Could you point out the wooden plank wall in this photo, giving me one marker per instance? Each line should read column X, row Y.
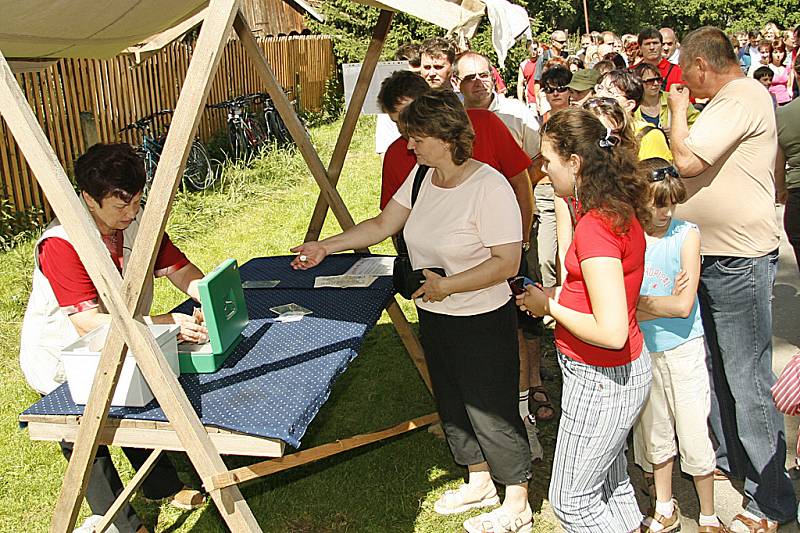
column 116, row 91
column 272, row 17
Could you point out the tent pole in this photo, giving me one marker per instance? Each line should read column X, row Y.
column 125, row 329
column 379, row 34
column 293, row 124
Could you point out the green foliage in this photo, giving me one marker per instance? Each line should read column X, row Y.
column 351, row 24
column 16, row 227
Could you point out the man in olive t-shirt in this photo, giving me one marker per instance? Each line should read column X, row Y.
column 727, row 160
column 787, row 168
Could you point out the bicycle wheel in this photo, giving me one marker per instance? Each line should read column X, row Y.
column 239, row 144
column 150, row 163
column 198, row 174
column 277, row 127
column 255, row 134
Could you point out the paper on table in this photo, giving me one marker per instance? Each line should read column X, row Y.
column 372, row 266
column 343, row 281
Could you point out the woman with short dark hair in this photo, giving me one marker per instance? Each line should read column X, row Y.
column 466, row 221
column 604, row 363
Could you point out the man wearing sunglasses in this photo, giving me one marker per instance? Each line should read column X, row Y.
column 558, row 41
column 650, row 46
column 472, row 73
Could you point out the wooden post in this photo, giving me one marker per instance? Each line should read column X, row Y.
column 89, row 129
column 351, row 119
column 130, row 488
column 125, row 330
column 311, row 156
column 271, row 466
column 293, row 124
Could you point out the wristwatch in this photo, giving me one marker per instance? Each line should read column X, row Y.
column 526, row 246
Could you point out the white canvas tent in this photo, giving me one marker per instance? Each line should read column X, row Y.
column 94, row 28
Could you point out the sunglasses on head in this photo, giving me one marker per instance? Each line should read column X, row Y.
column 660, row 174
column 558, row 89
column 598, row 101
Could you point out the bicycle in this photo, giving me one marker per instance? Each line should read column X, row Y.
column 245, row 133
column 273, row 123
column 197, row 175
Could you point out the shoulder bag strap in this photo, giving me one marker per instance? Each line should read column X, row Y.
column 418, row 177
column 402, row 249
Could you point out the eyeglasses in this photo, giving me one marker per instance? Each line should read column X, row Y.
column 598, row 101
column 654, row 81
column 483, row 76
column 559, row 89
column 560, row 41
column 660, row 174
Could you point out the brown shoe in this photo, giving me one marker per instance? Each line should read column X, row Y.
column 745, row 523
column 673, row 523
column 713, row 529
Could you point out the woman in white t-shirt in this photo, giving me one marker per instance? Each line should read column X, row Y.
column 466, row 221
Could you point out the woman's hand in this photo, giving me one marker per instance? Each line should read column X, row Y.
column 192, row 329
column 534, row 301
column 309, row 254
column 434, row 289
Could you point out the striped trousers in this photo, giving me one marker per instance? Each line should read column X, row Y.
column 590, row 489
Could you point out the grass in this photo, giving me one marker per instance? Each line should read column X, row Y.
column 263, row 210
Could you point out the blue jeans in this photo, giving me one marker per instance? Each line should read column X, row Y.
column 735, row 303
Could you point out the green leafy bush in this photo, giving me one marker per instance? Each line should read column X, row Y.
column 17, row 226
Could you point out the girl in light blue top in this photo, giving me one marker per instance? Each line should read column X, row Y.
column 669, row 318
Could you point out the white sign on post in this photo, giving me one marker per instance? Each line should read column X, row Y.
column 383, row 70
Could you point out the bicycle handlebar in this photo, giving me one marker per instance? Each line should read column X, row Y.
column 145, row 122
column 255, row 98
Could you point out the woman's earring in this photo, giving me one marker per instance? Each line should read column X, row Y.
column 575, row 188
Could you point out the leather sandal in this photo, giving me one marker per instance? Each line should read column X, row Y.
column 671, row 524
column 713, row 529
column 754, row 526
column 454, row 502
column 500, row 521
column 535, row 405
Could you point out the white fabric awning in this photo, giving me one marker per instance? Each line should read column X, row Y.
column 453, row 15
column 86, row 28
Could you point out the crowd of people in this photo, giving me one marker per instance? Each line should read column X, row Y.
column 628, row 194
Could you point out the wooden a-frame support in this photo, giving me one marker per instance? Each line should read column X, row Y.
column 122, row 297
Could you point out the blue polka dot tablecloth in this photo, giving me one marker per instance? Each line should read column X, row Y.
column 280, row 374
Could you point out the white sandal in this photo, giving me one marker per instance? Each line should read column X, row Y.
column 453, row 502
column 498, row 521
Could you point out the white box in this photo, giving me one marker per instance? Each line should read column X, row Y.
column 82, row 357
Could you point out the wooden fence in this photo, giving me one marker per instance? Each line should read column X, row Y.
column 74, row 98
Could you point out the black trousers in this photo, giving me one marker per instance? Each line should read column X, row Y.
column 105, row 484
column 474, row 367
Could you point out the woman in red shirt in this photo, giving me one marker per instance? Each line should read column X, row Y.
column 604, row 362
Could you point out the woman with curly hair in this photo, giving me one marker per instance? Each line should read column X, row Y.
column 466, row 221
column 604, row 362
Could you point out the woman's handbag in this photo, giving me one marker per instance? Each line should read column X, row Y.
column 406, row 279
